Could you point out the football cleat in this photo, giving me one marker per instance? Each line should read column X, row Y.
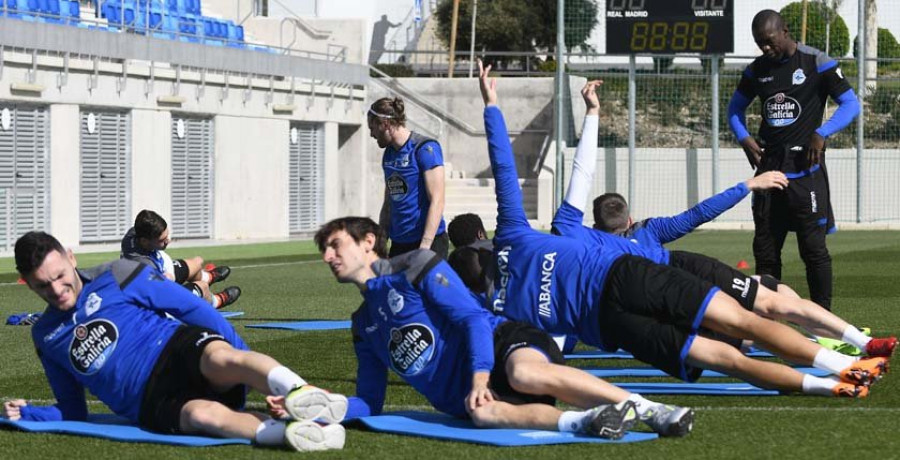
column 849, row 390
column 228, row 296
column 865, row 371
column 883, row 347
column 313, row 403
column 611, row 421
column 668, row 420
column 218, row 274
column 308, row 436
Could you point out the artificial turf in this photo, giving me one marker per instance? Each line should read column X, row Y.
column 285, row 281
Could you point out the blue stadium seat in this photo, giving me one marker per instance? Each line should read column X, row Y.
column 12, row 8
column 74, row 9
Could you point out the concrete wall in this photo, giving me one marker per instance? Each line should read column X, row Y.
column 323, row 36
column 64, row 171
column 151, row 161
column 251, row 184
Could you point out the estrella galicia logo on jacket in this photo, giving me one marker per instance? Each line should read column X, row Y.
column 92, row 345
column 92, row 304
column 411, row 348
column 397, row 186
column 395, row 301
column 780, row 110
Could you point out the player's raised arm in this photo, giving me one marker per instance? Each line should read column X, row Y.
column 503, row 165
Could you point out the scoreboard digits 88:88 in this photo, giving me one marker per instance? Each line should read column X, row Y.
column 669, row 26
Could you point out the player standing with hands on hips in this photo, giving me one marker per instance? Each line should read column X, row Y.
column 792, row 81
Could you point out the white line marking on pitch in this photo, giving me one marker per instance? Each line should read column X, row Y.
column 278, row 264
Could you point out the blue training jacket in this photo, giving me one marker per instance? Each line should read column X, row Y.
column 110, row 341
column 419, row 320
column 651, row 234
column 552, row 282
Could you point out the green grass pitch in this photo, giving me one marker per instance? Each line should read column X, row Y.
column 286, row 281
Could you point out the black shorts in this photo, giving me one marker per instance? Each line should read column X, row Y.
column 654, row 311
column 739, row 286
column 176, row 379
column 440, row 245
column 509, row 337
column 181, row 269
column 805, row 205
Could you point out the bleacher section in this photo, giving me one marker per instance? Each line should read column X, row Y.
column 180, row 20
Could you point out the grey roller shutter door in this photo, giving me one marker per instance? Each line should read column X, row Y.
column 192, row 177
column 24, row 173
column 307, row 151
column 105, row 176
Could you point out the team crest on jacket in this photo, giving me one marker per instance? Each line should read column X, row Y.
column 92, row 304
column 92, row 345
column 395, row 301
column 411, row 348
column 799, row 77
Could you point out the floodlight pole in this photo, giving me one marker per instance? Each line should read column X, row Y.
column 560, row 106
column 472, row 39
column 453, row 24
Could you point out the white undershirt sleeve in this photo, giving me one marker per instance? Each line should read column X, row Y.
column 584, row 165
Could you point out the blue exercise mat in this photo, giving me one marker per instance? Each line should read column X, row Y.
column 115, row 428
column 622, row 354
column 445, row 427
column 231, row 314
column 711, row 389
column 305, row 325
column 604, row 372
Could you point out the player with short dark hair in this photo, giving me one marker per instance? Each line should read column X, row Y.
column 146, row 243
column 609, row 297
column 418, row 319
column 107, row 330
column 793, row 82
column 765, row 296
column 466, row 229
column 413, row 164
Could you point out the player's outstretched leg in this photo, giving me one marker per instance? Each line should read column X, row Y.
column 724, row 315
column 530, row 372
column 718, row 356
column 818, row 321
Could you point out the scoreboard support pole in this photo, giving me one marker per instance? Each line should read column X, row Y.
column 715, row 123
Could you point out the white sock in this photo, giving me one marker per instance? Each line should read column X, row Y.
column 282, row 380
column 641, row 404
column 855, row 337
column 571, row 421
column 204, row 276
column 832, row 361
column 270, row 433
column 215, row 301
column 821, row 386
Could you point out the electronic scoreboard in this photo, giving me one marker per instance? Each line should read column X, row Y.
column 669, row 26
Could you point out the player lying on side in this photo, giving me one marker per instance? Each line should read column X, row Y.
column 105, row 329
column 419, row 320
column 609, row 297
